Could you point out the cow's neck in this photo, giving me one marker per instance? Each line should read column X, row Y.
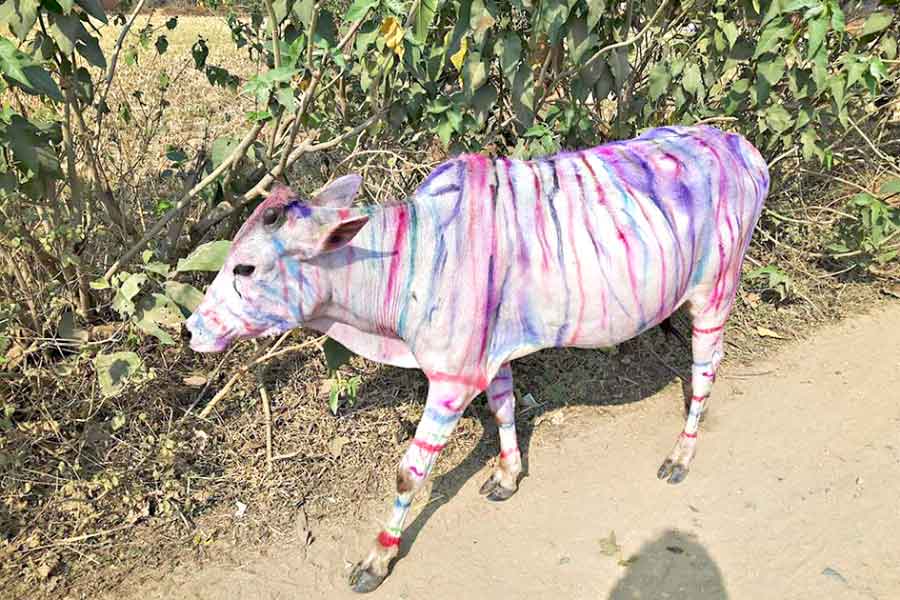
column 367, row 277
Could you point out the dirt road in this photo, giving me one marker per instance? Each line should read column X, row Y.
column 795, row 493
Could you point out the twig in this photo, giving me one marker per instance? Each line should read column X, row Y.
column 111, row 68
column 258, row 360
column 874, row 148
column 716, row 120
column 267, row 415
column 87, row 536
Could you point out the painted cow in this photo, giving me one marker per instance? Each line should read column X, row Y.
column 494, row 259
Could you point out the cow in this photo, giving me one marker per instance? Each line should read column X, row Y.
column 492, row 259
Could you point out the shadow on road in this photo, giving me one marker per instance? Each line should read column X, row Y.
column 674, row 566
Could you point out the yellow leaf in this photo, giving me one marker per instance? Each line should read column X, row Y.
column 393, row 35
column 766, row 332
column 460, row 55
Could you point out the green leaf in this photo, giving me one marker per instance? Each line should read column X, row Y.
column 336, row 355
column 691, row 79
column 89, row 48
column 100, row 284
column 771, row 36
column 19, row 15
column 221, row 149
column 771, row 69
column 553, row 16
column 816, row 31
column 474, row 73
column 876, row 22
column 286, row 98
column 580, row 40
column 483, row 102
column 838, row 22
column 890, row 187
column 509, row 49
column 523, row 95
column 66, row 5
column 620, row 68
column 888, row 47
column 282, row 8
column 207, row 257
column 155, row 311
column 184, row 295
column 659, row 80
column 595, row 11
column 838, row 87
column 303, row 9
column 115, row 370
column 425, row 12
column 122, row 302
column 32, row 147
column 356, row 11
column 778, row 118
column 66, row 30
column 94, row 8
column 162, row 44
column 731, row 32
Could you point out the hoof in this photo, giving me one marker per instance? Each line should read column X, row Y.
column 494, row 491
column 672, row 471
column 363, row 580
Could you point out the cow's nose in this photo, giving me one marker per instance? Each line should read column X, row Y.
column 185, row 334
column 243, row 270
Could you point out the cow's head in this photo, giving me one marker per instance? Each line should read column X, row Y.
column 272, row 279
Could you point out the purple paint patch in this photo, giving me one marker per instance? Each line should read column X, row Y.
column 298, row 209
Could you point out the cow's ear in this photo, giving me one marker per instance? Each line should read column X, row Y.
column 340, row 234
column 339, row 193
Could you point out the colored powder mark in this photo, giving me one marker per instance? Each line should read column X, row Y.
column 402, row 220
column 539, row 217
column 413, row 244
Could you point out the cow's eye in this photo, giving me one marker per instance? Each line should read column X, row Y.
column 271, row 216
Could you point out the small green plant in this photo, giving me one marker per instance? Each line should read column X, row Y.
column 772, row 282
column 340, row 387
column 872, row 236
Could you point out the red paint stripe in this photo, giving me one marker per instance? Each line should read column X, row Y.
column 387, row 540
column 698, row 398
column 475, row 381
column 710, row 330
column 426, row 446
column 508, row 452
column 402, row 218
column 688, row 435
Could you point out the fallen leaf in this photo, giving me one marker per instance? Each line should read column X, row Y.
column 194, row 380
column 766, row 332
column 628, row 561
column 528, row 401
column 829, row 572
column 241, row 509
column 337, row 445
column 608, row 545
column 893, row 290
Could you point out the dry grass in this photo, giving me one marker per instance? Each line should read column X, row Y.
column 103, row 493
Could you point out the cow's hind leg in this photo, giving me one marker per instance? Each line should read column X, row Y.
column 707, row 348
column 504, row 481
column 443, row 408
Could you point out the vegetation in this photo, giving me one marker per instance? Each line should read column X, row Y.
column 133, row 145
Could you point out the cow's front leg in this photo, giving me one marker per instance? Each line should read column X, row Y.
column 707, row 349
column 443, row 408
column 504, row 481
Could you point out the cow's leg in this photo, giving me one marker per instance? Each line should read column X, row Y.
column 443, row 408
column 707, row 348
column 504, row 481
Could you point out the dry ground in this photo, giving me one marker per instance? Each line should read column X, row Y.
column 793, row 495
column 112, row 494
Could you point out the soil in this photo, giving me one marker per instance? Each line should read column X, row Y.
column 793, row 494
